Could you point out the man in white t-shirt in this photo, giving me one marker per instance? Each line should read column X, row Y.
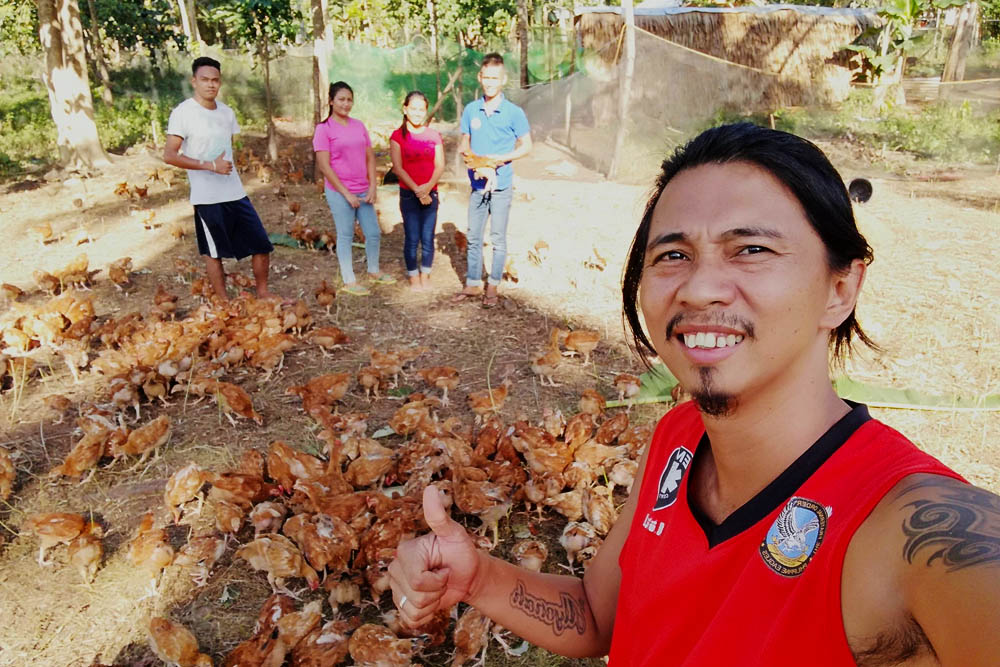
column 200, row 140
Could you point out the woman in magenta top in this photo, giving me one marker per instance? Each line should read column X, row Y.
column 418, row 161
column 345, row 158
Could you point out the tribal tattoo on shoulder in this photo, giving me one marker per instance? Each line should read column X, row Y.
column 566, row 614
column 960, row 528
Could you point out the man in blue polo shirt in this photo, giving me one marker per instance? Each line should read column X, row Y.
column 495, row 132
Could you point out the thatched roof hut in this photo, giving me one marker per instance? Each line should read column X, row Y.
column 798, row 43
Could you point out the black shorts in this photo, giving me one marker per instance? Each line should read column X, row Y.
column 230, row 229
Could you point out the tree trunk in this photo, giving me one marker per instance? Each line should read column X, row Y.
column 321, row 79
column 954, row 69
column 100, row 65
column 65, row 78
column 432, row 10
column 522, row 38
column 192, row 13
column 625, row 88
column 272, row 138
column 185, row 24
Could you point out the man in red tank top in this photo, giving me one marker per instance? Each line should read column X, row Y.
column 774, row 521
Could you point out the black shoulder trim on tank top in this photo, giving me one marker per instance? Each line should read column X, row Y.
column 784, row 485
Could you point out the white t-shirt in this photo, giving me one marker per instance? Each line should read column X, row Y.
column 206, row 133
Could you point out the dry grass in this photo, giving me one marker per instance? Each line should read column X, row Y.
column 930, row 300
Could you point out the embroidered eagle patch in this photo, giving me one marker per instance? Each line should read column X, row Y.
column 795, row 536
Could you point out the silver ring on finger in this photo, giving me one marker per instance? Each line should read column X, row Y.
column 402, row 602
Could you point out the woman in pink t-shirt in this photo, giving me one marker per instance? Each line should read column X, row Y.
column 345, row 158
column 418, row 161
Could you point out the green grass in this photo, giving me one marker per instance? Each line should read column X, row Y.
column 943, row 131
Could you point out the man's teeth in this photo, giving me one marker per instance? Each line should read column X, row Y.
column 706, row 340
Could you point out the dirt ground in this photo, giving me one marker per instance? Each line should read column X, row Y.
column 930, row 301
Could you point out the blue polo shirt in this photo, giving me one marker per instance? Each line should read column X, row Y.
column 494, row 134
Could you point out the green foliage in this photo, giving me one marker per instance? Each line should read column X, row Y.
column 252, row 23
column 18, row 27
column 133, row 23
column 896, row 34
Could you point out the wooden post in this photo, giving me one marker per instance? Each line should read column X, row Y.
column 522, row 38
column 432, row 10
column 625, row 88
column 965, row 28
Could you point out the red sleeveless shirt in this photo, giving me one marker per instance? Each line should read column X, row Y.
column 763, row 587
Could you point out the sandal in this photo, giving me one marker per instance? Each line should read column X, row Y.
column 491, row 301
column 459, row 297
column 356, row 290
column 383, row 279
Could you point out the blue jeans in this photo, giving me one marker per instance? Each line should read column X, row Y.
column 343, row 219
column 418, row 229
column 496, row 206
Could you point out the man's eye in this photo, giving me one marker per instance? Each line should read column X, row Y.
column 670, row 255
column 753, row 250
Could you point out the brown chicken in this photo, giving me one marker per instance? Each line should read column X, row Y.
column 598, row 510
column 577, row 536
column 579, row 474
column 545, row 365
column 286, row 465
column 372, row 380
column 568, row 503
column 124, row 393
column 86, row 551
column 76, row 272
column 627, row 385
column 543, row 453
column 373, row 462
column 321, row 391
column 596, row 455
column 234, row 400
column 280, row 558
column 150, row 551
column 46, row 282
column 327, row 338
column 8, row 473
column 183, row 487
column 471, row 635
column 444, row 378
column 11, row 292
column 267, row 517
column 199, row 556
column 327, row 542
column 326, row 645
column 83, row 457
column 148, row 438
column 295, row 625
column 118, row 272
column 580, row 341
column 488, row 400
column 474, row 494
column 175, row 645
column 622, row 473
column 612, row 428
column 377, row 646
column 53, row 528
column 43, row 231
column 343, row 590
column 325, row 296
column 592, row 403
column 228, row 517
column 529, row 554
column 164, row 303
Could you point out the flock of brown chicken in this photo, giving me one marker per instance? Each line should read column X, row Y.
column 309, row 522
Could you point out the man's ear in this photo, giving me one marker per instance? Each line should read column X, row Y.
column 845, row 287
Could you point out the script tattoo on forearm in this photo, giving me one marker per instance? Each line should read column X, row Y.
column 566, row 614
column 960, row 529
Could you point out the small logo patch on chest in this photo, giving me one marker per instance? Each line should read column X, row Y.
column 795, row 536
column 670, row 478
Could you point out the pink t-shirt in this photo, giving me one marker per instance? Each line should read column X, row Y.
column 417, row 152
column 347, row 145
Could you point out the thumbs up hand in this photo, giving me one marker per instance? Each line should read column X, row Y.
column 435, row 571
